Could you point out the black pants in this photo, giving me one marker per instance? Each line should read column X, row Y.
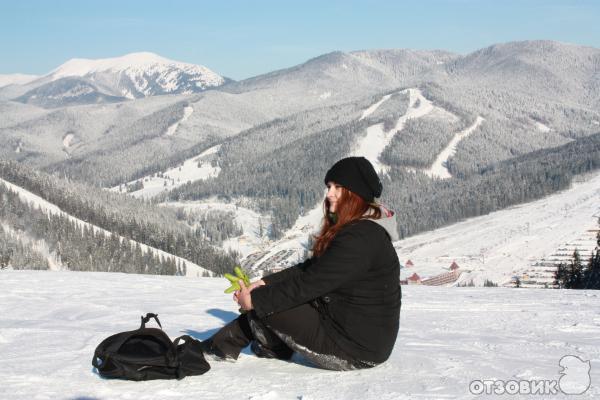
column 299, row 329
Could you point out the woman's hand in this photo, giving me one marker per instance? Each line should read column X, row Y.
column 256, row 284
column 248, row 301
column 243, row 297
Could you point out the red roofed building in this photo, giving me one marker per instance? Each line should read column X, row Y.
column 442, row 279
column 414, row 279
column 409, row 263
column 454, row 266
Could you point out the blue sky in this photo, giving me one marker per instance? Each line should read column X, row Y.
column 240, row 39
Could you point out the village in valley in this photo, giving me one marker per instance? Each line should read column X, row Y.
column 444, row 278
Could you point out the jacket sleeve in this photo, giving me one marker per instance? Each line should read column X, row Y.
column 348, row 256
column 287, row 273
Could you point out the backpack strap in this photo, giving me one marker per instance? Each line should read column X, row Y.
column 186, row 338
column 147, row 318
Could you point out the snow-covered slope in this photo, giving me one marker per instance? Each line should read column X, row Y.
column 68, row 91
column 509, row 242
column 192, row 169
column 255, row 226
column 51, row 323
column 35, row 200
column 16, row 79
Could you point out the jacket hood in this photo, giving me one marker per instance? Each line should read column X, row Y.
column 388, row 222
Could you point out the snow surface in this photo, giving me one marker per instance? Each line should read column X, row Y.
column 541, row 127
column 51, row 323
column 35, row 200
column 506, row 242
column 192, row 169
column 438, row 169
column 67, row 140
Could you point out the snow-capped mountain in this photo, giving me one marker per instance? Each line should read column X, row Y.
column 16, row 79
column 132, row 76
column 141, row 74
column 67, row 91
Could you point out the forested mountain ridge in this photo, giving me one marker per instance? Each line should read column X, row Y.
column 523, row 82
column 158, row 227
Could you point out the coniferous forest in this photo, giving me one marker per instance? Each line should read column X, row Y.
column 577, row 274
column 132, row 219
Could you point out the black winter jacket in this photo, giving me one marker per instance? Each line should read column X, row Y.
column 355, row 284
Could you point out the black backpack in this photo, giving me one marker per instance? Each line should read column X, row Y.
column 148, row 353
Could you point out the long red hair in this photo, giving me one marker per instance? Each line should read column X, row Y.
column 350, row 207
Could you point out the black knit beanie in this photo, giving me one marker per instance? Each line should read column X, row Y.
column 357, row 175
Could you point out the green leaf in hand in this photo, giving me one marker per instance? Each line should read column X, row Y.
column 239, row 274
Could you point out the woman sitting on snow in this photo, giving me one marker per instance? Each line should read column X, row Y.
column 340, row 309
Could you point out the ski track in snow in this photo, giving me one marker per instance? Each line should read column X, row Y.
column 438, row 169
column 175, row 177
column 187, row 111
column 31, row 198
column 376, row 139
column 372, row 108
column 541, row 127
column 51, row 323
column 67, row 140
